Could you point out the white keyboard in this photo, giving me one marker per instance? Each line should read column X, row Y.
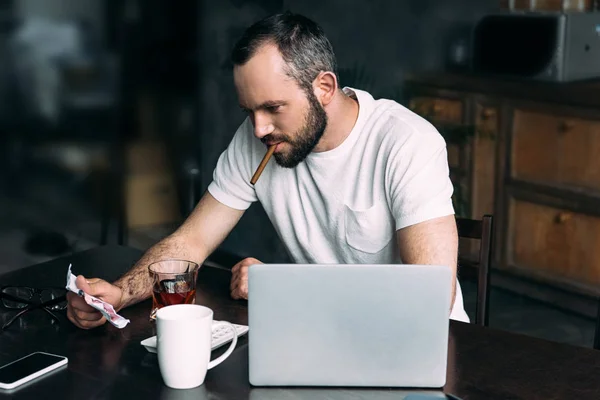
column 220, row 336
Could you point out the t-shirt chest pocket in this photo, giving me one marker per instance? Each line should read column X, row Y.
column 369, row 230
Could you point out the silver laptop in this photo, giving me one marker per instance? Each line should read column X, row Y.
column 348, row 325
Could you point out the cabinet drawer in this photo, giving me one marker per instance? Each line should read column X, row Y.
column 556, row 150
column 438, row 109
column 555, row 243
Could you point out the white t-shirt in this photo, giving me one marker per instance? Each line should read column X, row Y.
column 344, row 205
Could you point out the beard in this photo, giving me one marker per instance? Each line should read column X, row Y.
column 307, row 137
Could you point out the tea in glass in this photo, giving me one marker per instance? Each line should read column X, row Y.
column 173, row 282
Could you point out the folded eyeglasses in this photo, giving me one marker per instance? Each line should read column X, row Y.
column 25, row 299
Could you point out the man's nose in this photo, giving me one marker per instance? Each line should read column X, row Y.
column 262, row 127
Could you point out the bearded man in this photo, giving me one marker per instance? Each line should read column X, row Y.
column 355, row 180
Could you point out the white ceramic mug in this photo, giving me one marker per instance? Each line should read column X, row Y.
column 184, row 337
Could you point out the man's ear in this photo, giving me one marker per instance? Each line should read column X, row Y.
column 325, row 85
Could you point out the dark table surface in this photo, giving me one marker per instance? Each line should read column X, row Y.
column 109, row 363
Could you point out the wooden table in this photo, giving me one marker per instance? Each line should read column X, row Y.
column 108, row 363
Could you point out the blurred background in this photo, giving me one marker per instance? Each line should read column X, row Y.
column 113, row 114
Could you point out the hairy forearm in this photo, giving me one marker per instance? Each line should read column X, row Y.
column 196, row 239
column 136, row 284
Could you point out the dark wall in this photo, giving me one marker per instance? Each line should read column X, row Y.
column 221, row 23
column 376, row 42
column 386, row 39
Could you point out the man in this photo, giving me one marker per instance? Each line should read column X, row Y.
column 356, row 180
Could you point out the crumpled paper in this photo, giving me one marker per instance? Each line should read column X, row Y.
column 105, row 308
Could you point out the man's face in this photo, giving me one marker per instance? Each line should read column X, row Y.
column 281, row 112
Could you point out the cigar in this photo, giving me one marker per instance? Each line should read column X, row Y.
column 263, row 164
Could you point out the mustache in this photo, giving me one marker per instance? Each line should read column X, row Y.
column 274, row 138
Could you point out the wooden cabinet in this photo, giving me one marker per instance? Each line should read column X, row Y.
column 553, row 229
column 552, row 149
column 530, row 156
column 439, row 109
column 555, row 244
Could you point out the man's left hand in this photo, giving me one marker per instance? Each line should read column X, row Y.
column 239, row 278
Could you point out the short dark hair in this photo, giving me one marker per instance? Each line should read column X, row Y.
column 301, row 42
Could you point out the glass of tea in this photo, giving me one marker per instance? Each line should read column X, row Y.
column 173, row 282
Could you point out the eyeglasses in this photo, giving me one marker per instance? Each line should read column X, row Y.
column 26, row 299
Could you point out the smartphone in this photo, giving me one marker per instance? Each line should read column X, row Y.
column 28, row 368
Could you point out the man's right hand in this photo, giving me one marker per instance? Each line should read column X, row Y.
column 85, row 316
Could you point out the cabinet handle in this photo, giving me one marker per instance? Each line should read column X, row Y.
column 566, row 126
column 562, row 217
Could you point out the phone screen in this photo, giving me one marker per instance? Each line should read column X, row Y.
column 26, row 366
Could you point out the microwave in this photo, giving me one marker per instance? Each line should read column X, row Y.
column 558, row 47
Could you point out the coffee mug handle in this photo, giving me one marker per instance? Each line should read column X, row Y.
column 222, row 358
